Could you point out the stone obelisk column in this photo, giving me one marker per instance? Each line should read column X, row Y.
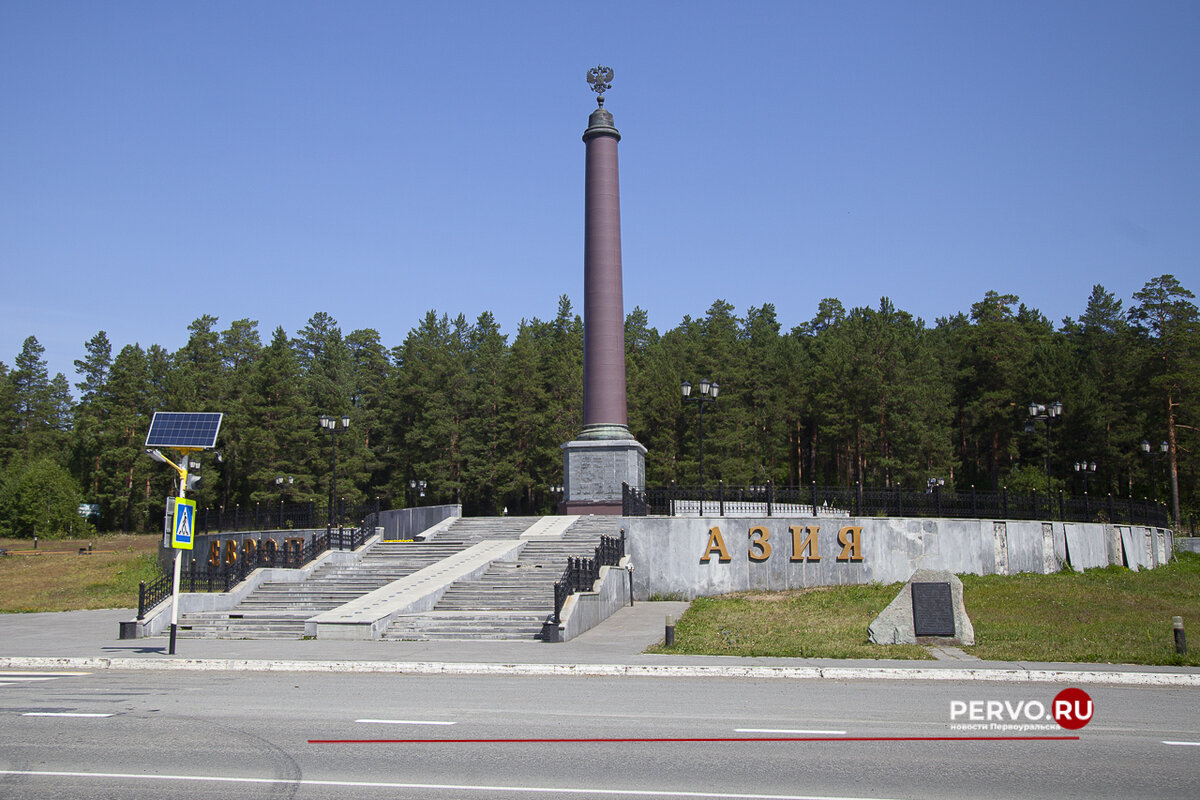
column 605, row 454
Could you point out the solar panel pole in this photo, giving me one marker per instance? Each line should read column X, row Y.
column 182, row 469
column 183, row 475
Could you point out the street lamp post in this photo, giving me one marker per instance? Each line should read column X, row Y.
column 283, row 484
column 1039, row 412
column 331, row 424
column 418, row 490
column 1148, row 450
column 1086, row 469
column 708, row 394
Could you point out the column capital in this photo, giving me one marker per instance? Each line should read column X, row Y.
column 600, row 123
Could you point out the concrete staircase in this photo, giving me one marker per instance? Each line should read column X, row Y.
column 278, row 609
column 512, row 599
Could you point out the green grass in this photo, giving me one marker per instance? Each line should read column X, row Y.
column 1108, row 615
column 824, row 622
column 55, row 577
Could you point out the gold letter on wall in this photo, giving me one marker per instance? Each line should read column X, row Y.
column 850, row 538
column 715, row 545
column 809, row 543
column 759, row 537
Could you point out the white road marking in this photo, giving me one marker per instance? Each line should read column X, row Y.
column 62, row 714
column 458, row 787
column 12, row 678
column 796, row 732
column 1183, row 744
column 404, row 722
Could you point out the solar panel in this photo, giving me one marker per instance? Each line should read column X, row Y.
column 183, row 429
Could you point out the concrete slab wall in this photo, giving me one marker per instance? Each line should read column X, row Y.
column 1087, row 545
column 585, row 610
column 682, row 558
column 1186, row 544
column 404, row 523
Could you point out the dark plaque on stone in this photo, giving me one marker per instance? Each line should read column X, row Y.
column 933, row 609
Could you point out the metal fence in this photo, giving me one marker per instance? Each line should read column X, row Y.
column 582, row 573
column 279, row 516
column 205, row 577
column 855, row 501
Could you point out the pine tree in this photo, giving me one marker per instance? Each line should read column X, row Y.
column 1170, row 323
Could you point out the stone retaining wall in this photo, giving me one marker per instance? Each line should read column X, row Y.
column 682, row 558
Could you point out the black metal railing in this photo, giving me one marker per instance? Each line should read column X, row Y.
column 279, row 516
column 855, row 501
column 200, row 576
column 581, row 573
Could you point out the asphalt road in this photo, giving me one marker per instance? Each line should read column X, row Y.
column 255, row 735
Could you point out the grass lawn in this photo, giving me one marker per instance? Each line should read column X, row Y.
column 55, row 577
column 822, row 622
column 1108, row 615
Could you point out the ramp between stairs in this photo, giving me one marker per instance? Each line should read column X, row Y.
column 368, row 616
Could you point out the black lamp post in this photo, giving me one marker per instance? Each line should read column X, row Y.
column 1086, row 469
column 1039, row 413
column 418, row 490
column 708, row 394
column 331, row 424
column 1148, row 450
column 282, row 483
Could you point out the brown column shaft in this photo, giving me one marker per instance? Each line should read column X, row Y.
column 603, row 306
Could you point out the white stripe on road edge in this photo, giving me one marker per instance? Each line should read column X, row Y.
column 7, row 675
column 959, row 674
column 11, row 679
column 403, row 722
column 429, row 786
column 61, row 714
column 781, row 730
column 1183, row 744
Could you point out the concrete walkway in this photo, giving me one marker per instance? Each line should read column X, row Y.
column 88, row 640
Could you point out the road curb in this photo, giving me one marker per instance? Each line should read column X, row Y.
column 994, row 675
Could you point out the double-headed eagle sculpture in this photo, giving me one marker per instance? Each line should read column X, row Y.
column 600, row 79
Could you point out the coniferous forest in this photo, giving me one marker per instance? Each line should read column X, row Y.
column 862, row 394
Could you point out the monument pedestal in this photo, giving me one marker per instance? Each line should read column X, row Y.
column 593, row 471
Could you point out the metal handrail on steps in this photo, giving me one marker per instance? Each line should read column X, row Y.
column 581, row 573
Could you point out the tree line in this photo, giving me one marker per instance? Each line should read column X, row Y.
column 871, row 395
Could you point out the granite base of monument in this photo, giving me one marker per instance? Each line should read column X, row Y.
column 930, row 606
column 593, row 471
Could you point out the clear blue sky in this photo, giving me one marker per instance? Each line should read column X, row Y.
column 268, row 160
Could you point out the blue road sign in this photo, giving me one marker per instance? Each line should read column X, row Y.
column 183, row 529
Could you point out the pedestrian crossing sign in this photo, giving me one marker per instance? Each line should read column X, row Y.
column 183, row 529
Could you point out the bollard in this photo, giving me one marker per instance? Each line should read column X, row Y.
column 35, row 543
column 1180, row 641
column 670, row 637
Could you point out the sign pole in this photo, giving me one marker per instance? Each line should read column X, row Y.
column 183, row 474
column 175, row 602
column 185, row 433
